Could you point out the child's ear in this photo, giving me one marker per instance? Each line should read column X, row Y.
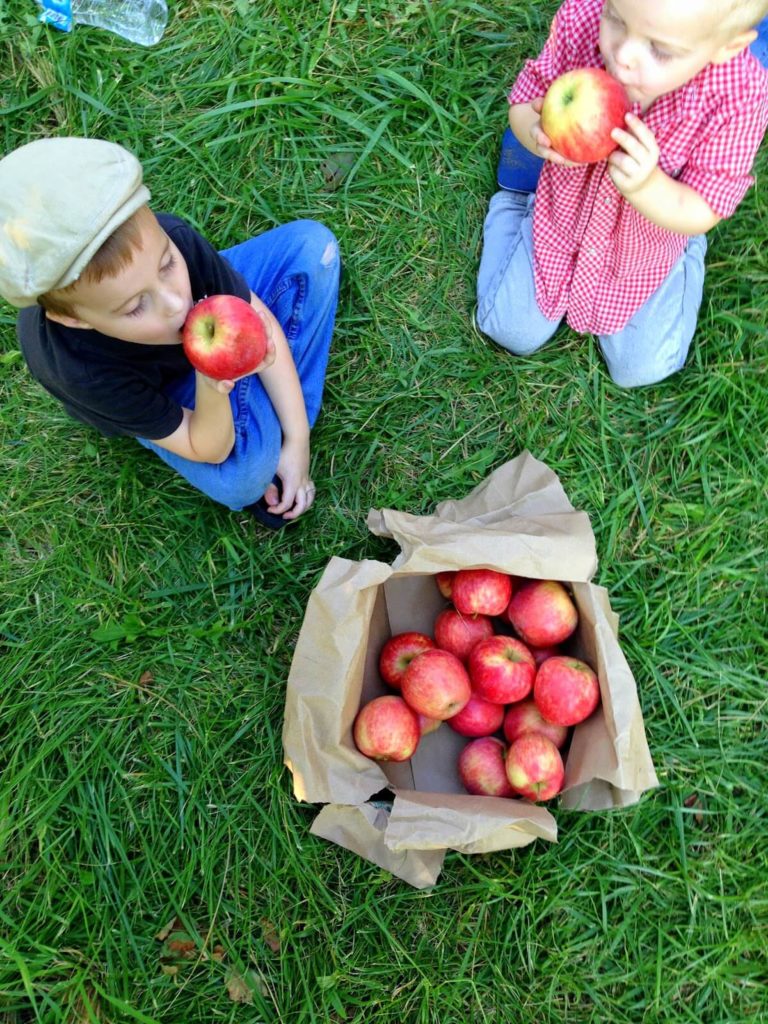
column 735, row 45
column 68, row 321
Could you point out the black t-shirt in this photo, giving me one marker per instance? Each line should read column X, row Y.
column 118, row 386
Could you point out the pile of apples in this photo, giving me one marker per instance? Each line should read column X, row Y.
column 494, row 666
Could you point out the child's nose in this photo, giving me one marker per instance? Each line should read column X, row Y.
column 173, row 303
column 626, row 54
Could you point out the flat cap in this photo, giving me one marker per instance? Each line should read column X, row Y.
column 60, row 199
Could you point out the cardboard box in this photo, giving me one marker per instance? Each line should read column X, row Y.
column 405, row 817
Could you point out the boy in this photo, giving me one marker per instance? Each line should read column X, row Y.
column 104, row 287
column 617, row 248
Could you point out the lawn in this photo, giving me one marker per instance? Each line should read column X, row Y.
column 146, row 634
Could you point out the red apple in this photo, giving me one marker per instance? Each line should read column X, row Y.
column 436, row 684
column 580, row 110
column 501, row 670
column 541, row 654
column 459, row 633
column 481, row 591
column 542, row 613
column 428, row 725
column 566, row 690
column 386, row 729
column 224, row 337
column 397, row 654
column 444, row 581
column 482, row 768
column 478, row 717
column 534, row 767
column 525, row 717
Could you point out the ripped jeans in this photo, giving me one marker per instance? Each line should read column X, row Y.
column 294, row 269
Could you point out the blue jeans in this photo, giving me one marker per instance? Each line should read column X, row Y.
column 652, row 346
column 294, row 269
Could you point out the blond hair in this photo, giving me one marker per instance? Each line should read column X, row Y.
column 740, row 15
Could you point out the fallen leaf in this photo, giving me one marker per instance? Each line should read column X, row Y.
column 172, row 925
column 270, row 935
column 238, row 989
column 336, row 168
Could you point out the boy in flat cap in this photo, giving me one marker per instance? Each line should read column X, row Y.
column 104, row 286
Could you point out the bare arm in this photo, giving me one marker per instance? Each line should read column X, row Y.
column 206, row 434
column 281, row 382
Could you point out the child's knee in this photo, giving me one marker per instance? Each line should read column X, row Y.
column 514, row 337
column 319, row 243
column 642, row 376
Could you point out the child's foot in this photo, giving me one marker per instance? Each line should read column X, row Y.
column 760, row 45
column 518, row 169
column 260, row 511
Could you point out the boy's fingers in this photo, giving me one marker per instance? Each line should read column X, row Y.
column 305, row 496
column 287, row 500
column 636, row 134
column 269, row 358
column 640, row 130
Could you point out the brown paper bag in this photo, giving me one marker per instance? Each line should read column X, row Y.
column 519, row 521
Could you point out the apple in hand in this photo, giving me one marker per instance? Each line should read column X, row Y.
column 482, row 768
column 525, row 717
column 580, row 110
column 534, row 767
column 224, row 337
column 397, row 654
column 542, row 613
column 478, row 717
column 436, row 684
column 566, row 690
column 459, row 633
column 386, row 729
column 481, row 591
column 501, row 670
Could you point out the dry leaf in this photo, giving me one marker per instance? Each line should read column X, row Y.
column 270, row 935
column 172, row 925
column 238, row 989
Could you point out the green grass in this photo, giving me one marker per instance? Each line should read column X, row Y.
column 146, row 634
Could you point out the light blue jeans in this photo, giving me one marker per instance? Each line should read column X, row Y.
column 294, row 269
column 652, row 346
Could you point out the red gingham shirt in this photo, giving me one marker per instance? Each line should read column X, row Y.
column 596, row 258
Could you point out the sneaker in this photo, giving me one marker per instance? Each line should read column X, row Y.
column 518, row 169
column 760, row 45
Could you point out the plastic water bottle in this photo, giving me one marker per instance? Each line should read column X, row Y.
column 140, row 21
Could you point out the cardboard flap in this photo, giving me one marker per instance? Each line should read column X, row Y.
column 611, row 746
column 362, row 830
column 469, row 824
column 518, row 520
column 324, row 687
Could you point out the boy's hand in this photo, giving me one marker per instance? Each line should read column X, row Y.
column 634, row 162
column 541, row 140
column 298, row 490
column 269, row 358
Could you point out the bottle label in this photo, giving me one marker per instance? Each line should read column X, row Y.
column 57, row 13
